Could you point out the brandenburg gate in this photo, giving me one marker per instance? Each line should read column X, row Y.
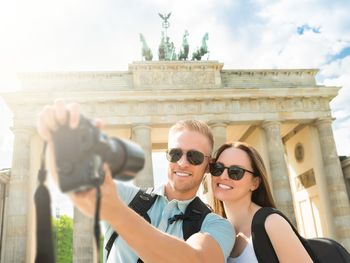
column 283, row 113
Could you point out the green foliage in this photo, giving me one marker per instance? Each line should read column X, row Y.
column 63, row 239
column 101, row 248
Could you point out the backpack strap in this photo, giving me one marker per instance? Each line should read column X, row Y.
column 194, row 215
column 263, row 248
column 193, row 218
column 141, row 203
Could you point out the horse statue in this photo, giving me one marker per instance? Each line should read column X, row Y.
column 146, row 51
column 183, row 55
column 200, row 52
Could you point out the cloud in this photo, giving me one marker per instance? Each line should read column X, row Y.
column 87, row 35
column 337, row 73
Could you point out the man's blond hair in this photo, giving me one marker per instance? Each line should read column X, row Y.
column 194, row 125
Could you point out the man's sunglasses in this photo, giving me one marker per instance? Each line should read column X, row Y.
column 193, row 157
column 234, row 172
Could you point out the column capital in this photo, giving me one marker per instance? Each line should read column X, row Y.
column 141, row 126
column 218, row 123
column 323, row 121
column 269, row 124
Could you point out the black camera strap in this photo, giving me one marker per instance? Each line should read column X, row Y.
column 44, row 243
column 97, row 229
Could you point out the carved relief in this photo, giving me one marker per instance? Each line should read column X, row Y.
column 176, row 78
column 202, row 106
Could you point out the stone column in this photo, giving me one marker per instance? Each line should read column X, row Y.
column 83, row 239
column 335, row 181
column 4, row 185
column 278, row 170
column 16, row 229
column 219, row 133
column 141, row 134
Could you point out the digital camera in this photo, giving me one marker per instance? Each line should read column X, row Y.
column 81, row 152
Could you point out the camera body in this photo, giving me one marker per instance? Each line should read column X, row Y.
column 81, row 152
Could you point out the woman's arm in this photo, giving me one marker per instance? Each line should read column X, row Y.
column 286, row 244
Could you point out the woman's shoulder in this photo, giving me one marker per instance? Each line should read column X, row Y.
column 275, row 224
column 272, row 220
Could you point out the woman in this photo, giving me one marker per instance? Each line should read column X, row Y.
column 240, row 187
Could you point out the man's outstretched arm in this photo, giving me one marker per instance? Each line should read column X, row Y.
column 149, row 243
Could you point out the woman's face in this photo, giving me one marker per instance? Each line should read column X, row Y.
column 227, row 189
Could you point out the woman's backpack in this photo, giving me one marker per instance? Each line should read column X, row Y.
column 320, row 250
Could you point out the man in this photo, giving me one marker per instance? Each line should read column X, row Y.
column 190, row 145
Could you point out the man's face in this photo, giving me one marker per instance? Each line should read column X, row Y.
column 184, row 177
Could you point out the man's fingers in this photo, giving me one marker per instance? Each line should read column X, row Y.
column 60, row 111
column 42, row 130
column 74, row 115
column 107, row 171
column 99, row 123
column 49, row 117
column 42, row 126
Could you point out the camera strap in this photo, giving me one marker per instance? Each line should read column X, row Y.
column 97, row 229
column 44, row 243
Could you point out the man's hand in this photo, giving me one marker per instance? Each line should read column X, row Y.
column 49, row 119
column 86, row 200
column 51, row 116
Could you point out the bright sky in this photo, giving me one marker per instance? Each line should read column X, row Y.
column 93, row 35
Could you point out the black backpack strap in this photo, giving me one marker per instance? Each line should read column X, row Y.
column 194, row 215
column 141, row 203
column 263, row 248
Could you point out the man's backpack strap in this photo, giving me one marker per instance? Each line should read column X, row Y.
column 194, row 215
column 141, row 203
column 193, row 218
column 263, row 248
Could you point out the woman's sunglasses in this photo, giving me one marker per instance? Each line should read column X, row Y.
column 234, row 172
column 193, row 157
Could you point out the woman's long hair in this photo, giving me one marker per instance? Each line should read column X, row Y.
column 262, row 195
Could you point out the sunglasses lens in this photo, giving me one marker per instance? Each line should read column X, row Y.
column 235, row 173
column 195, row 157
column 173, row 155
column 216, row 169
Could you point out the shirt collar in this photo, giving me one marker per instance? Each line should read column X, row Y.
column 181, row 204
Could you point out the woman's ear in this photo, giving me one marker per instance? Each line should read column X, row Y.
column 256, row 183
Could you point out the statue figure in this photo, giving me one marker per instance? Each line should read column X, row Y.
column 200, row 52
column 170, row 48
column 146, row 51
column 183, row 54
column 165, row 18
column 162, row 48
column 166, row 50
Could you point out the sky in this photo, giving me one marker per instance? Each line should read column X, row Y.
column 98, row 35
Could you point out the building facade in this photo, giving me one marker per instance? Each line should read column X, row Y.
column 284, row 114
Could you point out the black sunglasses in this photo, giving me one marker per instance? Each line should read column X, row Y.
column 193, row 157
column 234, row 172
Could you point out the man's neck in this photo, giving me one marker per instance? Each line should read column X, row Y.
column 171, row 193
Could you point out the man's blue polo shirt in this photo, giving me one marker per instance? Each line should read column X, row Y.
column 217, row 227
